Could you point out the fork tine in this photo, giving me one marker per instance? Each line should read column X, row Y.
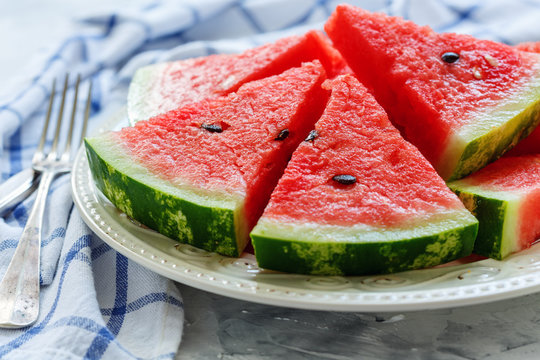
column 54, row 146
column 86, row 113
column 39, row 150
column 67, row 148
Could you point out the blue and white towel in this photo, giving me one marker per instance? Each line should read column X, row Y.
column 95, row 302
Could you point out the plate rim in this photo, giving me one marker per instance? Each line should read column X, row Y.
column 111, row 231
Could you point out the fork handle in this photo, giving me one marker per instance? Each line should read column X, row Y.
column 19, row 289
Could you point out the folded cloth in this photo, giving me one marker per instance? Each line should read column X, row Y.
column 95, row 303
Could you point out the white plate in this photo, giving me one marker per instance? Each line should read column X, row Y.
column 241, row 278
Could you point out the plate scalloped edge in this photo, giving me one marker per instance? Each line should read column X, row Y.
column 241, row 278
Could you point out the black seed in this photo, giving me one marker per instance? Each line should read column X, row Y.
column 313, row 134
column 212, row 127
column 344, row 179
column 283, row 134
column 450, row 57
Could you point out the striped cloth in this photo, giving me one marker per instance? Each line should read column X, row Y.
column 95, row 302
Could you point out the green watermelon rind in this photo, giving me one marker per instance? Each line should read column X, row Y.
column 213, row 222
column 359, row 250
column 498, row 216
column 139, row 102
column 492, row 133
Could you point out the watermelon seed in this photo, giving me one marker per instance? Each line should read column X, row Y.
column 283, row 134
column 491, row 60
column 344, row 179
column 450, row 57
column 313, row 134
column 212, row 127
column 477, row 73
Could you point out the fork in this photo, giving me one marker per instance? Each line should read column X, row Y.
column 19, row 289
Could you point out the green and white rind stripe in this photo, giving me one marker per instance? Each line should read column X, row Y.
column 213, row 222
column 140, row 102
column 492, row 132
column 498, row 216
column 317, row 249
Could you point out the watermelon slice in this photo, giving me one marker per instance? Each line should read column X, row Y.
column 158, row 88
column 460, row 100
column 505, row 197
column 203, row 173
column 356, row 198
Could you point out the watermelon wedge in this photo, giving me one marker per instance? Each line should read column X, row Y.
column 462, row 101
column 202, row 174
column 505, row 198
column 356, row 198
column 158, row 88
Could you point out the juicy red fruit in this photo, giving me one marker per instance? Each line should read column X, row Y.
column 184, row 146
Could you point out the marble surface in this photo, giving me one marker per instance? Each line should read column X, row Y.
column 217, row 327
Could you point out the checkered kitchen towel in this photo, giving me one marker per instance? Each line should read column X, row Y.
column 95, row 302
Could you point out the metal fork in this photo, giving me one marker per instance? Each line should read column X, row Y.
column 19, row 289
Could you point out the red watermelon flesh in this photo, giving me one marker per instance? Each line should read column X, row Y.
column 520, row 173
column 394, row 182
column 532, row 46
column 261, row 123
column 429, row 99
column 395, row 214
column 162, row 87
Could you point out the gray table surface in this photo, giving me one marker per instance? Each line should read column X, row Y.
column 217, row 327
